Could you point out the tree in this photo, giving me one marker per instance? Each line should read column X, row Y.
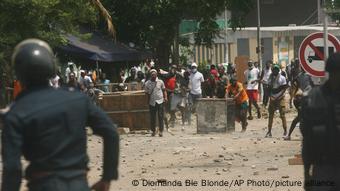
column 333, row 7
column 154, row 23
column 49, row 20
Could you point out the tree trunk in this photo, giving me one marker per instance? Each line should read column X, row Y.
column 162, row 54
column 175, row 52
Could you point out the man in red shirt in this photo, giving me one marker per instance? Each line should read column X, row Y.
column 212, row 81
column 170, row 85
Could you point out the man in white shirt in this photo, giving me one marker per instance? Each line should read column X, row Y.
column 195, row 85
column 71, row 68
column 155, row 88
column 266, row 72
column 278, row 87
column 55, row 81
column 252, row 85
column 84, row 80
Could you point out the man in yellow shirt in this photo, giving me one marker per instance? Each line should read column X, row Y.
column 236, row 91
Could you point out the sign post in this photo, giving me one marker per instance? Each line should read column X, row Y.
column 312, row 53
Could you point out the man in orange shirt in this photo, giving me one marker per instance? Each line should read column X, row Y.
column 236, row 91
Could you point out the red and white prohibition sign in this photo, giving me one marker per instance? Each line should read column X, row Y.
column 311, row 53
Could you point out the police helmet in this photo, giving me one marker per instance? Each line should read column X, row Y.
column 333, row 63
column 34, row 63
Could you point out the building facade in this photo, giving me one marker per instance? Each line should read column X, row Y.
column 285, row 12
column 284, row 24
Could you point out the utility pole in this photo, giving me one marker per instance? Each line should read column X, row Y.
column 319, row 11
column 226, row 49
column 325, row 32
column 325, row 36
column 259, row 46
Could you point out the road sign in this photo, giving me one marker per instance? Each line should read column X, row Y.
column 311, row 53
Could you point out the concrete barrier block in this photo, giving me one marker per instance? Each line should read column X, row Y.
column 215, row 115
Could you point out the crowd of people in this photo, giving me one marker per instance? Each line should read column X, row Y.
column 179, row 88
column 75, row 79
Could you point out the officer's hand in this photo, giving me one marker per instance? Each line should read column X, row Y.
column 101, row 186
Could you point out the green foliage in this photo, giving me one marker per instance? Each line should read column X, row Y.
column 333, row 5
column 48, row 20
column 239, row 9
column 148, row 23
column 154, row 23
column 2, row 60
column 44, row 19
column 185, row 54
column 207, row 30
column 203, row 67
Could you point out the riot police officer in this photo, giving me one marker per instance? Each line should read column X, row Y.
column 47, row 127
column 320, row 126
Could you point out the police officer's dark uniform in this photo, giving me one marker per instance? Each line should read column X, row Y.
column 47, row 127
column 320, row 128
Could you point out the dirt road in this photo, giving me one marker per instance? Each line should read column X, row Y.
column 185, row 160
